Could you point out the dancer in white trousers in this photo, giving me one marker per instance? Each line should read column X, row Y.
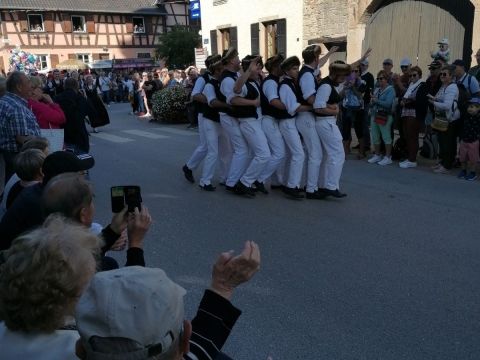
column 305, row 121
column 291, row 97
column 200, row 102
column 229, row 122
column 327, row 107
column 272, row 110
column 215, row 137
column 246, row 105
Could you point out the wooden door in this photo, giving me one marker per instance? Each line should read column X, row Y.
column 411, row 29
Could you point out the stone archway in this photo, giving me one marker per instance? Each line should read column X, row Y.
column 463, row 11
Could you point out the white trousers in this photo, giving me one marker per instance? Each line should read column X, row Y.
column 201, row 151
column 306, row 126
column 251, row 129
column 297, row 156
column 333, row 153
column 240, row 155
column 217, row 143
column 275, row 141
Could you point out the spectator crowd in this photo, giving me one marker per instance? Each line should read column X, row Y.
column 58, row 283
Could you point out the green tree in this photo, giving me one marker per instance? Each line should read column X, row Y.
column 177, row 46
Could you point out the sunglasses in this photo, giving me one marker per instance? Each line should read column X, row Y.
column 413, row 75
column 355, row 71
column 444, row 74
column 404, row 67
column 380, row 78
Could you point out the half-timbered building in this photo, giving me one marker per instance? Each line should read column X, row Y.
column 86, row 30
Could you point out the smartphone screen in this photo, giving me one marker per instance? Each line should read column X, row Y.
column 118, row 198
column 133, row 198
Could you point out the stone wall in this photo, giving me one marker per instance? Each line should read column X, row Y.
column 324, row 18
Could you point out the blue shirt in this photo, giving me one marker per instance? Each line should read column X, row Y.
column 15, row 119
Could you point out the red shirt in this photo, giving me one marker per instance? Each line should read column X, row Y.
column 48, row 115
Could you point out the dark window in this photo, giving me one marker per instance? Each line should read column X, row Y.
column 35, row 23
column 138, row 25
column 78, row 24
column 144, row 55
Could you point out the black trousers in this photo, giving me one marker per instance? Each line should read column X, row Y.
column 447, row 141
column 9, row 158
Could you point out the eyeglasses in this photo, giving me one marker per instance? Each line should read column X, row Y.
column 380, row 78
column 413, row 75
column 444, row 74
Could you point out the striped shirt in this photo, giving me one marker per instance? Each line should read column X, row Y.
column 15, row 119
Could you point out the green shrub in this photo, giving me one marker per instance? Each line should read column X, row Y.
column 169, row 104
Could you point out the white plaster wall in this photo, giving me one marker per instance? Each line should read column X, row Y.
column 243, row 13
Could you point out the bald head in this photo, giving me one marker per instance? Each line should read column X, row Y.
column 67, row 194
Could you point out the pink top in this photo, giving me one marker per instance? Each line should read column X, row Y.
column 48, row 115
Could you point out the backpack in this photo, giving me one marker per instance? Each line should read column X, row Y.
column 429, row 149
column 464, row 96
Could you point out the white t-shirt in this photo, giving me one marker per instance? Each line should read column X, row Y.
column 307, row 84
column 209, row 92
column 323, row 94
column 104, row 82
column 270, row 89
column 198, row 87
column 39, row 346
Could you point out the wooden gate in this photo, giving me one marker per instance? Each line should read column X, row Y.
column 411, row 29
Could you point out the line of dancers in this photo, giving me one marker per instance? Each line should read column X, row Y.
column 265, row 130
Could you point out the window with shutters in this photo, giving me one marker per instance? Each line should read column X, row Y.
column 138, row 25
column 213, row 42
column 274, row 38
column 225, row 39
column 85, row 58
column 78, row 24
column 35, row 23
column 144, row 55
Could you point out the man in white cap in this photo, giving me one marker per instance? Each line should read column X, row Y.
column 138, row 313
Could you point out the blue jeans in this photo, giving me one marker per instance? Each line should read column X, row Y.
column 141, row 104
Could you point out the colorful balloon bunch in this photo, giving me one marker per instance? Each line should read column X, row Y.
column 23, row 61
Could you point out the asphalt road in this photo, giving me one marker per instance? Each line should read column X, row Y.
column 390, row 272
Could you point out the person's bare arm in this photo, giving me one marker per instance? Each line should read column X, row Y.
column 240, row 101
column 328, row 111
column 237, row 89
column 217, row 104
column 276, row 103
column 323, row 60
column 364, row 57
column 200, row 98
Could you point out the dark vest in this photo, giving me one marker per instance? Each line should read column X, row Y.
column 334, row 97
column 208, row 111
column 247, row 111
column 298, row 94
column 303, row 71
column 267, row 108
column 200, row 107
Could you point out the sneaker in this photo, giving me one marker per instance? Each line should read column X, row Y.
column 208, row 187
column 408, row 164
column 260, row 187
column 375, row 159
column 385, row 161
column 471, row 177
column 188, row 174
column 441, row 170
column 315, row 195
column 293, row 193
column 462, row 174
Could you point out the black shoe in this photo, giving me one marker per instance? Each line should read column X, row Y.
column 222, row 184
column 260, row 187
column 335, row 193
column 208, row 187
column 230, row 188
column 293, row 193
column 188, row 174
column 241, row 189
column 315, row 195
column 276, row 187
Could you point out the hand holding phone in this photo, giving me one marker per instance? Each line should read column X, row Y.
column 122, row 196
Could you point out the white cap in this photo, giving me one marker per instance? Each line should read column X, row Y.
column 135, row 303
column 405, row 62
column 444, row 41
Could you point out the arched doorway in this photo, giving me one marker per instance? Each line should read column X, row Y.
column 399, row 28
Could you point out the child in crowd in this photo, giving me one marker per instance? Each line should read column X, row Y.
column 443, row 52
column 469, row 145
